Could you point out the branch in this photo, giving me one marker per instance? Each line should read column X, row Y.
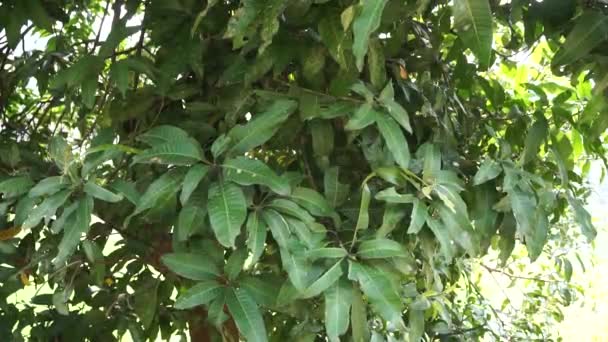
column 513, row 276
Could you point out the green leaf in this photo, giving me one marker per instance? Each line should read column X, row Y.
column 264, row 291
column 15, row 186
column 363, row 217
column 100, row 193
column 393, row 214
column 327, row 253
column 312, row 201
column 536, row 135
column 379, row 289
column 416, row 324
column 590, row 30
column 394, row 109
column 60, row 152
column 190, row 219
column 127, row 189
column 531, row 223
column 395, row 140
column 246, row 315
column 290, row 208
column 46, row 209
column 261, row 127
column 337, row 41
column 358, row 318
column 338, row 299
column 376, row 63
column 582, row 217
column 390, row 195
column 247, row 171
column 506, row 243
column 279, row 227
column 163, row 134
column 366, row 22
column 325, row 281
column 473, row 21
column 459, row 227
column 256, row 236
column 234, row 264
column 59, row 223
column 191, row 266
column 49, row 186
column 380, row 249
column 322, row 133
column 200, row 294
column 193, row 177
column 227, row 211
column 145, row 302
column 364, row 116
column 488, row 170
column 297, row 268
column 182, row 152
column 335, row 191
column 76, row 225
column 162, row 188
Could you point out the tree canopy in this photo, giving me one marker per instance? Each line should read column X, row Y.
column 289, row 169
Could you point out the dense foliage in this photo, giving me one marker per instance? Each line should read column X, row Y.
column 289, row 169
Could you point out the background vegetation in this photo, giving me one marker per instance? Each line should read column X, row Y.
column 297, row 169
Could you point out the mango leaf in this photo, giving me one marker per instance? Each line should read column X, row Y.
column 279, row 227
column 506, row 232
column 327, row 253
column 46, row 209
column 336, row 40
column 246, row 315
column 419, row 216
column 227, row 211
column 379, row 289
column 393, row 214
column 76, row 225
column 394, row 109
column 312, row 201
column 536, row 135
column 163, row 134
column 528, row 224
column 261, row 128
column 49, row 186
column 247, row 171
column 364, row 116
column 473, row 22
column 297, row 268
column 590, row 30
column 325, row 281
column 390, row 195
column 15, row 186
column 61, row 152
column 335, row 192
column 189, row 220
column 256, row 236
column 193, row 177
column 338, row 299
column 366, row 22
column 582, row 217
column 290, row 208
column 191, row 266
column 358, row 317
column 363, row 217
column 416, row 324
column 376, row 63
column 145, row 302
column 234, row 264
column 459, row 227
column 263, row 291
column 162, row 188
column 181, row 152
column 488, row 170
column 100, row 193
column 380, row 249
column 395, row 140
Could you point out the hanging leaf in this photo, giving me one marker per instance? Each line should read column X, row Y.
column 46, row 209
column 76, row 225
column 256, row 236
column 190, row 219
column 193, row 177
column 394, row 109
column 473, row 21
column 365, row 23
column 325, row 281
column 15, row 186
column 395, row 140
column 181, row 152
column 338, row 299
column 247, row 171
column 261, row 128
column 312, row 201
column 327, row 253
column 246, row 315
column 358, row 318
column 590, row 30
column 535, row 137
column 364, row 116
column 380, row 249
column 292, row 209
column 363, row 218
column 488, row 170
column 335, row 192
column 49, row 186
column 279, row 227
column 100, row 193
column 191, row 266
column 227, row 211
column 297, row 268
column 390, row 195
